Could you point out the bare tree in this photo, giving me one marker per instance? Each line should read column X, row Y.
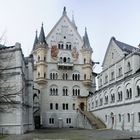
column 10, row 92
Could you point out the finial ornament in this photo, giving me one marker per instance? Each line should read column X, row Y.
column 64, row 11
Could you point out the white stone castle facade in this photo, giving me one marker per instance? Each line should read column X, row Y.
column 117, row 101
column 63, row 74
column 56, row 83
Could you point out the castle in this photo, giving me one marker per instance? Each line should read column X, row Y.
column 57, row 84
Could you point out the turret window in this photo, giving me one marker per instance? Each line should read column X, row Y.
column 44, row 75
column 38, row 58
column 44, row 58
column 38, row 74
column 84, row 61
column 85, row 77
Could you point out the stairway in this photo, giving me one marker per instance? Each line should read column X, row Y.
column 94, row 121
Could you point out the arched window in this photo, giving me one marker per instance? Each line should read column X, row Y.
column 129, row 66
column 38, row 74
column 53, row 76
column 84, row 76
column 51, row 106
column 50, row 75
column 62, row 46
column 130, row 93
column 106, row 99
column 78, row 76
column 66, row 76
column 119, row 117
column 56, row 106
column 84, row 61
column 51, row 91
column 44, row 58
column 78, row 92
column 128, row 117
column 44, row 75
column 73, row 106
column 138, row 91
column 38, row 58
column 64, row 60
column 73, row 91
column 127, row 93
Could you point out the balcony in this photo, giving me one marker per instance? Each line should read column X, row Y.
column 87, row 82
column 65, row 65
column 41, row 81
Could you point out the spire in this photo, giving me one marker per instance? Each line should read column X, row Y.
column 86, row 40
column 35, row 41
column 42, row 36
column 73, row 21
column 64, row 11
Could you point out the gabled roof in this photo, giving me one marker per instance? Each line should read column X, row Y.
column 65, row 15
column 125, row 48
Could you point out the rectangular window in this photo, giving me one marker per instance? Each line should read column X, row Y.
column 51, row 120
column 68, row 120
column 67, row 107
column 56, row 106
column 63, row 106
column 51, row 106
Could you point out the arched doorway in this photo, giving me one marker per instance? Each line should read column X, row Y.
column 82, row 106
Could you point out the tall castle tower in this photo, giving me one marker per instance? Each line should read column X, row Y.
column 63, row 73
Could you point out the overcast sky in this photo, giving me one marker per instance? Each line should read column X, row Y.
column 19, row 20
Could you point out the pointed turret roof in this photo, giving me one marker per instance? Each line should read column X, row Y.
column 86, row 40
column 42, row 36
column 35, row 41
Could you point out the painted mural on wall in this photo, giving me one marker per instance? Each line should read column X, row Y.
column 75, row 53
column 54, row 51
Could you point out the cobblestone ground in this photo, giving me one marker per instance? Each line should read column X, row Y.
column 74, row 134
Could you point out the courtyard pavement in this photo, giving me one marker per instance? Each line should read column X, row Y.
column 75, row 134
